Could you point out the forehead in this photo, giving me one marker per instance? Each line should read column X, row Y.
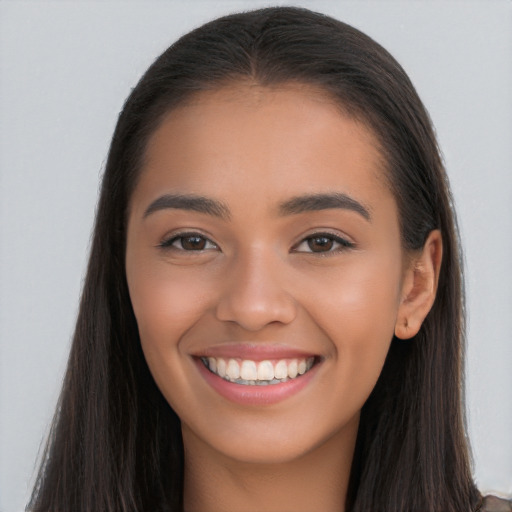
column 250, row 141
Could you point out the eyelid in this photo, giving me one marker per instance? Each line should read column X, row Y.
column 167, row 241
column 344, row 243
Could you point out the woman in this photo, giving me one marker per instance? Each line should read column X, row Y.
column 272, row 314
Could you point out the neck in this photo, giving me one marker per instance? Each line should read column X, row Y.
column 317, row 480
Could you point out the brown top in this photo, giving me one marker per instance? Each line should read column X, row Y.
column 494, row 504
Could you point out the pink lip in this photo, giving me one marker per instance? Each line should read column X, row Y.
column 255, row 395
column 253, row 352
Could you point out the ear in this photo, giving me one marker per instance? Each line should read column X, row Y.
column 419, row 286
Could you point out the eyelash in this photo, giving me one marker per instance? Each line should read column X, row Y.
column 343, row 244
column 168, row 244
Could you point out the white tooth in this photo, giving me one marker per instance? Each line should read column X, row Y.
column 292, row 369
column 309, row 363
column 281, row 370
column 265, row 370
column 221, row 367
column 233, row 370
column 212, row 364
column 248, row 370
column 302, row 366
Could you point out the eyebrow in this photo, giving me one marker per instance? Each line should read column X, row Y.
column 293, row 206
column 316, row 202
column 190, row 202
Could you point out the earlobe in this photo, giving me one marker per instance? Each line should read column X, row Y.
column 419, row 287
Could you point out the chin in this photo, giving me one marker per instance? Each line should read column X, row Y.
column 274, row 442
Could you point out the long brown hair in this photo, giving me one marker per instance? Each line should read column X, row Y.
column 115, row 443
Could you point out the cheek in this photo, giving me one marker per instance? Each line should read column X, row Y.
column 165, row 305
column 361, row 297
column 358, row 315
column 166, row 308
column 367, row 309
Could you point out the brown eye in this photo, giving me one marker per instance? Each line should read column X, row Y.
column 320, row 244
column 193, row 243
column 323, row 243
column 189, row 242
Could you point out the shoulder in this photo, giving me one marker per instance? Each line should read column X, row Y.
column 495, row 504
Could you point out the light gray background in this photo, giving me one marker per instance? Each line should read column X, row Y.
column 65, row 70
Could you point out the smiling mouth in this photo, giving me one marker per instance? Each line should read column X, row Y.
column 258, row 373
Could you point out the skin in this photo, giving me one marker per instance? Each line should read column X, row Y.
column 257, row 280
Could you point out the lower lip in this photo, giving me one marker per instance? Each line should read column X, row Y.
column 255, row 395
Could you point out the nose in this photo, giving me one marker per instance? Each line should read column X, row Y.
column 254, row 294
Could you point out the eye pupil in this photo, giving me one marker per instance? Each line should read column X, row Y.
column 193, row 243
column 320, row 243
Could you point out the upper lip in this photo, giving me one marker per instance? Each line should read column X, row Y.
column 253, row 351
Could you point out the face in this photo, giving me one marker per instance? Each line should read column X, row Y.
column 265, row 269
